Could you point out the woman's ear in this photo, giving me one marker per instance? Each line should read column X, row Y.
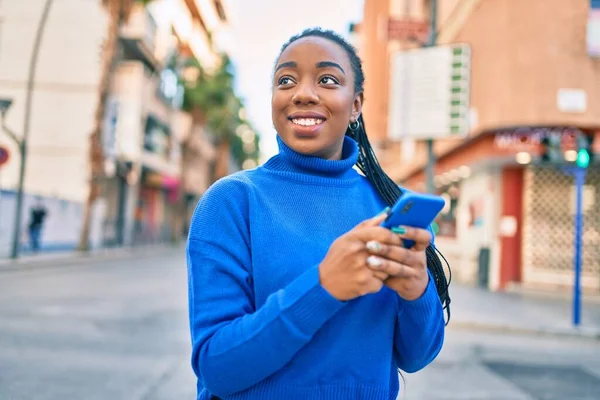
column 357, row 107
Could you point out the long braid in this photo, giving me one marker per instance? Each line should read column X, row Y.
column 368, row 164
column 390, row 192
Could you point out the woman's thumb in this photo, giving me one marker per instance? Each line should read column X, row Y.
column 376, row 220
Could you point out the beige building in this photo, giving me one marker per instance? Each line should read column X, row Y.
column 143, row 130
column 510, row 216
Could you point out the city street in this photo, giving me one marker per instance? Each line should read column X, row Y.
column 117, row 329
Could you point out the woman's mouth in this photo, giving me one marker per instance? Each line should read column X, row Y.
column 307, row 121
column 306, row 127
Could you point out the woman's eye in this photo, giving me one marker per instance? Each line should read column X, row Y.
column 328, row 80
column 284, row 80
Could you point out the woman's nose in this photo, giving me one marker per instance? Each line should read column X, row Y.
column 305, row 94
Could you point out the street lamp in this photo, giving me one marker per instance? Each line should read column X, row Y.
column 27, row 119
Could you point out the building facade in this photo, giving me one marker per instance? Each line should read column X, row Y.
column 143, row 131
column 509, row 215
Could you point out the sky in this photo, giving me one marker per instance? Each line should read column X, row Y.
column 258, row 30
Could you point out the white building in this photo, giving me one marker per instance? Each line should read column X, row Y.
column 65, row 99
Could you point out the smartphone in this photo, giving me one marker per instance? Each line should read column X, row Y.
column 414, row 209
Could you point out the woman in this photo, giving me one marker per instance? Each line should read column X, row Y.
column 295, row 292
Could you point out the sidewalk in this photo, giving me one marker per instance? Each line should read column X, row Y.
column 57, row 259
column 476, row 308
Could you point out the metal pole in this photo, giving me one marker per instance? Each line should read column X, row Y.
column 579, row 182
column 27, row 118
column 430, row 154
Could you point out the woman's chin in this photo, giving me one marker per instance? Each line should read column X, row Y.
column 306, row 147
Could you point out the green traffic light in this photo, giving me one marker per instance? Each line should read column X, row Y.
column 583, row 158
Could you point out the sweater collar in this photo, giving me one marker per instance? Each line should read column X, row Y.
column 289, row 160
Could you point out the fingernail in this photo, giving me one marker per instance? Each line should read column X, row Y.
column 384, row 211
column 374, row 262
column 399, row 230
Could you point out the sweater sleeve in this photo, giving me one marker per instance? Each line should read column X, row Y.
column 420, row 326
column 234, row 344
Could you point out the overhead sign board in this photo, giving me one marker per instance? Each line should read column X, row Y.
column 429, row 94
column 407, row 29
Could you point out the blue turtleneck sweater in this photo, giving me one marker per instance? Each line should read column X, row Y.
column 262, row 325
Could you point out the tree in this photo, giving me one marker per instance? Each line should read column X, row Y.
column 118, row 14
column 212, row 100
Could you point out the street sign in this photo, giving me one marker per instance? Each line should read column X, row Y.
column 407, row 29
column 4, row 155
column 430, row 92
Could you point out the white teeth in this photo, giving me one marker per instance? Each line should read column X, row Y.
column 307, row 121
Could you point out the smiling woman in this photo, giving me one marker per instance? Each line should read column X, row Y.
column 300, row 293
column 313, row 97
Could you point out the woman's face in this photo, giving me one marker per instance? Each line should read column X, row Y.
column 313, row 97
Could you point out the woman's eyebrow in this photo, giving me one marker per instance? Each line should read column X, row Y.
column 289, row 64
column 320, row 64
column 328, row 64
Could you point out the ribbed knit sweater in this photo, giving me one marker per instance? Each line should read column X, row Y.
column 262, row 325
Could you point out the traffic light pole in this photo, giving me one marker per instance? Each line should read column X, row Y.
column 579, row 174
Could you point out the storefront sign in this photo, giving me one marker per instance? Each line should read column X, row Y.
column 527, row 138
column 158, row 180
column 407, row 29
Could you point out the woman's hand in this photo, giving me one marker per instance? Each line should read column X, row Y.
column 344, row 272
column 407, row 268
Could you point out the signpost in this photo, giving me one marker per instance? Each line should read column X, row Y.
column 429, row 93
column 429, row 87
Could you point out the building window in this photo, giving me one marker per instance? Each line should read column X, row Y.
column 157, row 137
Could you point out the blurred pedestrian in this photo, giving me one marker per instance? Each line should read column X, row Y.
column 295, row 292
column 37, row 217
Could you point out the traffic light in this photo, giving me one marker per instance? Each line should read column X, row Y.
column 551, row 149
column 583, row 158
column 585, row 153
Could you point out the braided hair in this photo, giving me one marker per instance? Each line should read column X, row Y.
column 369, row 165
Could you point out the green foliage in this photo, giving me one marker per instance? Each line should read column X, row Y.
column 213, row 95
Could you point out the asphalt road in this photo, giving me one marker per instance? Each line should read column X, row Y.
column 118, row 330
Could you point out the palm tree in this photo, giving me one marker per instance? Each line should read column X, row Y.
column 118, row 13
column 212, row 101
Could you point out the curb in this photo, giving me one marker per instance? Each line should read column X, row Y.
column 78, row 258
column 578, row 333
